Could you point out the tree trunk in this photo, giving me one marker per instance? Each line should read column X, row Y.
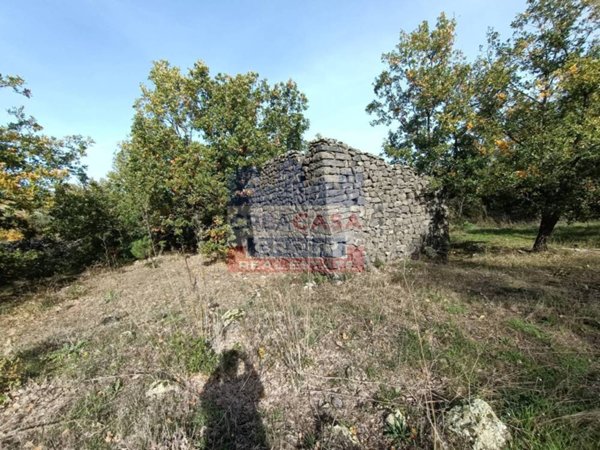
column 547, row 225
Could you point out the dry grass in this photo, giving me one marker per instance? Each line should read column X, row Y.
column 302, row 361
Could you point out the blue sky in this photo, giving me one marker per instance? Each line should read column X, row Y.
column 84, row 60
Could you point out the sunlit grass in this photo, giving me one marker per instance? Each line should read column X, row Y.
column 578, row 234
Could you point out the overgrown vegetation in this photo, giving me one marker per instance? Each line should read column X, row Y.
column 194, row 138
column 178, row 353
column 511, row 135
column 290, row 360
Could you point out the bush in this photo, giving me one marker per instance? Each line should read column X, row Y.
column 15, row 263
column 216, row 239
column 80, row 228
column 85, row 216
column 11, row 370
column 34, row 258
column 141, row 248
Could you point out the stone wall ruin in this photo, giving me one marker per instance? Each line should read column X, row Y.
column 337, row 208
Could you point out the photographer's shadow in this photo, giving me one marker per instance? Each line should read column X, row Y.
column 230, row 405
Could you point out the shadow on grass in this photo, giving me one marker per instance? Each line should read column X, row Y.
column 229, row 403
column 493, row 268
column 555, row 290
column 468, row 247
column 40, row 360
column 16, row 293
column 36, row 359
column 541, row 358
column 564, row 285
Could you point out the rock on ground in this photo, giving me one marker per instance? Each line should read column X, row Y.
column 477, row 424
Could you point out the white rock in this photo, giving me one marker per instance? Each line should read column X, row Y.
column 345, row 433
column 477, row 424
column 158, row 389
column 396, row 420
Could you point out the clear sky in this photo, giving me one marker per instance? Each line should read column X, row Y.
column 85, row 59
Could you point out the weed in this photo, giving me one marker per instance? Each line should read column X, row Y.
column 75, row 291
column 512, row 356
column 371, row 372
column 378, row 263
column 292, row 330
column 276, row 415
column 387, row 397
column 454, row 308
column 172, row 317
column 51, row 300
column 456, row 355
column 408, row 348
column 397, row 429
column 11, row 375
column 111, row 296
column 68, row 350
column 96, row 406
column 310, row 440
column 194, row 353
column 528, row 329
column 574, row 366
column 530, row 414
column 314, row 278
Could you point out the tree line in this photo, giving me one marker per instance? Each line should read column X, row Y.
column 192, row 135
column 517, row 131
column 514, row 134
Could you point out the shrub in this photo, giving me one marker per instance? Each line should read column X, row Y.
column 11, row 370
column 78, row 229
column 85, row 216
column 216, row 239
column 141, row 248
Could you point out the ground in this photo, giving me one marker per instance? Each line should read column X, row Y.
column 179, row 353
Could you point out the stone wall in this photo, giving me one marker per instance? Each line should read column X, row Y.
column 337, row 206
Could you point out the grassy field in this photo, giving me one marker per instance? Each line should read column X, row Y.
column 179, row 354
column 575, row 235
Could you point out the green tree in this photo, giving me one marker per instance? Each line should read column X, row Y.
column 540, row 112
column 32, row 165
column 425, row 94
column 246, row 121
column 84, row 217
column 192, row 136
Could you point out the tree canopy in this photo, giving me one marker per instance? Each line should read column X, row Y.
column 426, row 93
column 31, row 166
column 540, row 113
column 521, row 122
column 518, row 128
column 192, row 135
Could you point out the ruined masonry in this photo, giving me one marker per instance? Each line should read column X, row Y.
column 338, row 208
